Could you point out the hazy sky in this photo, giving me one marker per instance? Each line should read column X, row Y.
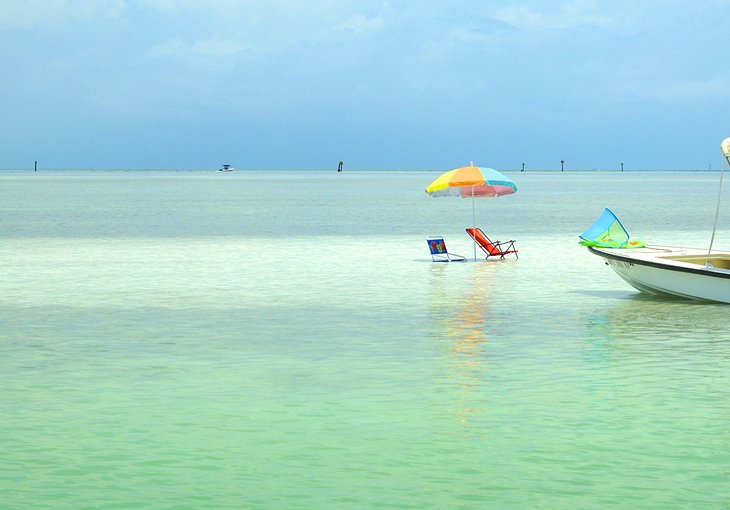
column 429, row 84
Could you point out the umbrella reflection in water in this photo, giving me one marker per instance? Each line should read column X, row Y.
column 461, row 316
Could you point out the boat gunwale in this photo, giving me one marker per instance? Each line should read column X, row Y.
column 670, row 267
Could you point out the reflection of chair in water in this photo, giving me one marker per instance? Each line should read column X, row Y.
column 461, row 318
column 492, row 248
column 439, row 253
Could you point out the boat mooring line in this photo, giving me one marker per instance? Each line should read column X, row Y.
column 725, row 148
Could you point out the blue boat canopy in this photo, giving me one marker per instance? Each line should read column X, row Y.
column 608, row 232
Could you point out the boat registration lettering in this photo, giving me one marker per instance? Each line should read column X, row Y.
column 621, row 264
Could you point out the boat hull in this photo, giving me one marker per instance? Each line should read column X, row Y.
column 680, row 272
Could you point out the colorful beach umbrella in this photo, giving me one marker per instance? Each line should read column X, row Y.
column 472, row 182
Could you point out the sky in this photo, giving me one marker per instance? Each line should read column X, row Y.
column 392, row 85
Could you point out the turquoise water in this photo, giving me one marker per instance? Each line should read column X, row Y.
column 175, row 340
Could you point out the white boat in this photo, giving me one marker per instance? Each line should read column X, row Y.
column 226, row 168
column 694, row 273
column 666, row 270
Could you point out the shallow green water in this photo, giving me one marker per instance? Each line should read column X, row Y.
column 282, row 340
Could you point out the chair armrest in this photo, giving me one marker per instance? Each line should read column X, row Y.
column 505, row 243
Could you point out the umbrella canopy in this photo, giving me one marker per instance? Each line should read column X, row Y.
column 471, row 181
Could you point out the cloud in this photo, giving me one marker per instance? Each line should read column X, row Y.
column 26, row 14
column 578, row 13
column 161, row 5
column 360, row 24
column 205, row 48
column 184, row 5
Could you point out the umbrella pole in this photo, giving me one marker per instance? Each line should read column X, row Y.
column 474, row 224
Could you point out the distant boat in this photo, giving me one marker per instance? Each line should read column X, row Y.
column 226, row 168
